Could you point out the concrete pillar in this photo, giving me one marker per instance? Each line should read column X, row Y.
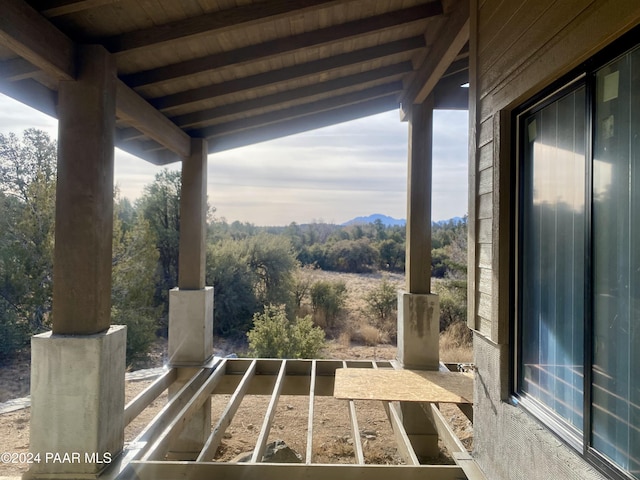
column 78, row 369
column 191, row 304
column 418, row 308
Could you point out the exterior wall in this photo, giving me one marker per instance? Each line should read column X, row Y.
column 516, row 50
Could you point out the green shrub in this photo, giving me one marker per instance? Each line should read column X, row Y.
column 382, row 302
column 275, row 336
column 328, row 299
column 453, row 302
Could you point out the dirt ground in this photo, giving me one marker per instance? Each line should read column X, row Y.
column 333, row 439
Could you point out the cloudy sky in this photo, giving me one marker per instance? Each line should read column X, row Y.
column 331, row 174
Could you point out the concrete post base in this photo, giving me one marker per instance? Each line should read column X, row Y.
column 418, row 330
column 190, row 346
column 77, row 403
column 190, row 326
column 418, row 342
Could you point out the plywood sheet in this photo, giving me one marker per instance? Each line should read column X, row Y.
column 403, row 385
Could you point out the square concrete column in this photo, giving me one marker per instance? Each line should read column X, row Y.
column 77, row 403
column 418, row 330
column 191, row 304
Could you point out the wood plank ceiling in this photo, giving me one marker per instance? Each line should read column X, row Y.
column 238, row 72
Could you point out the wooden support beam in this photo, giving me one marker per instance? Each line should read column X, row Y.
column 454, row 35
column 312, row 399
column 275, row 471
column 57, row 8
column 298, row 111
column 17, row 69
column 133, row 109
column 283, row 45
column 355, row 429
column 163, row 441
column 445, row 432
column 211, row 23
column 33, row 94
column 165, row 416
column 313, row 68
column 310, row 122
column 261, row 443
column 405, row 449
column 141, row 149
column 213, row 442
column 31, row 36
column 419, row 187
column 144, row 398
column 203, row 117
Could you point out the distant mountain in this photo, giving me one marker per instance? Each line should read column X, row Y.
column 385, row 219
column 454, row 220
column 392, row 222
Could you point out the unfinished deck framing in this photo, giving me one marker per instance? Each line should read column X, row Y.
column 149, row 456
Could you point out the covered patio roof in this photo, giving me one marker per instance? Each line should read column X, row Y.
column 237, row 72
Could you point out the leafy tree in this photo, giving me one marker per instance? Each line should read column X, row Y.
column 160, row 206
column 135, row 260
column 328, row 300
column 391, row 254
column 275, row 336
column 382, row 302
column 27, row 198
column 272, row 260
column 247, row 274
column 232, row 279
column 355, row 256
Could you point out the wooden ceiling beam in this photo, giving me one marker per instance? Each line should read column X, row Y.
column 269, row 101
column 299, row 125
column 454, row 34
column 142, row 150
column 298, row 111
column 27, row 33
column 57, row 8
column 36, row 40
column 282, row 45
column 33, row 94
column 17, row 69
column 242, row 16
column 132, row 108
column 284, row 74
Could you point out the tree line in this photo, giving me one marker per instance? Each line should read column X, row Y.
column 250, row 267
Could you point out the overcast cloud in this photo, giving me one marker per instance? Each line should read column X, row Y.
column 332, row 174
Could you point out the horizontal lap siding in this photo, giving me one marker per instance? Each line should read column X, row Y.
column 520, row 48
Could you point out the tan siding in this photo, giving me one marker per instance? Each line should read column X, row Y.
column 485, row 206
column 485, row 132
column 485, row 156
column 485, row 256
column 485, row 231
column 485, row 181
column 484, row 307
column 549, row 45
column 486, row 281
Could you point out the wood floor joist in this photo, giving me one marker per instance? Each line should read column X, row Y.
column 274, row 471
